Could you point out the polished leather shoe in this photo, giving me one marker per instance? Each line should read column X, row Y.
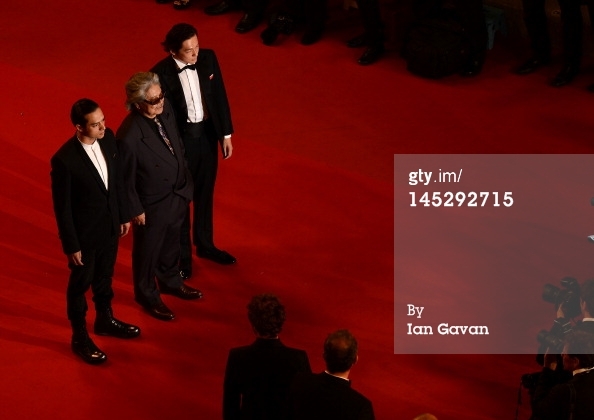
column 219, row 8
column 158, row 310
column 84, row 347
column 269, row 35
column 247, row 23
column 218, row 256
column 183, row 292
column 357, row 42
column 531, row 65
column 371, row 55
column 311, row 36
column 185, row 273
column 565, row 76
column 106, row 324
column 163, row 1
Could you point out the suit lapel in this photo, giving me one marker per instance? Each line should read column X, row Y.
column 155, row 144
column 89, row 163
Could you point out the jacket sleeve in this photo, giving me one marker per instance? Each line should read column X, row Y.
column 128, row 166
column 62, row 199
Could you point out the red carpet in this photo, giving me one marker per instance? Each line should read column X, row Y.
column 305, row 204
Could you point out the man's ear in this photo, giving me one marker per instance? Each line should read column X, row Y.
column 78, row 128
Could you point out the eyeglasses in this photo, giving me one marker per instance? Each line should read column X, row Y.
column 156, row 100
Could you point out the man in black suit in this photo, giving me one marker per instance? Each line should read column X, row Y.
column 328, row 395
column 258, row 376
column 573, row 399
column 535, row 18
column 253, row 12
column 91, row 217
column 193, row 82
column 158, row 187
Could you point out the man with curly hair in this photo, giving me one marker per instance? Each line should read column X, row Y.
column 258, row 376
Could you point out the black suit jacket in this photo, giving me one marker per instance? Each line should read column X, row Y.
column 257, row 380
column 151, row 173
column 211, row 86
column 88, row 214
column 552, row 402
column 325, row 397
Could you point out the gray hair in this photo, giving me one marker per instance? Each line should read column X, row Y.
column 137, row 86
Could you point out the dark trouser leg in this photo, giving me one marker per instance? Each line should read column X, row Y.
column 571, row 19
column 473, row 20
column 256, row 7
column 202, row 155
column 96, row 272
column 146, row 251
column 185, row 255
column 315, row 14
column 535, row 19
column 105, row 259
column 204, row 184
column 372, row 22
column 166, row 269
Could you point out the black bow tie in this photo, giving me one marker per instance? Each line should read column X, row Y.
column 188, row 67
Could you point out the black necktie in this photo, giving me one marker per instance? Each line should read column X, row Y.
column 188, row 67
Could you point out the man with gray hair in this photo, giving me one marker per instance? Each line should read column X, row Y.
column 328, row 395
column 158, row 187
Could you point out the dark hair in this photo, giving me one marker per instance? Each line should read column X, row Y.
column 580, row 344
column 340, row 351
column 80, row 109
column 587, row 294
column 177, row 35
column 266, row 314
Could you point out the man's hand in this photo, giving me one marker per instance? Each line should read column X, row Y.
column 226, row 148
column 75, row 258
column 124, row 229
column 139, row 220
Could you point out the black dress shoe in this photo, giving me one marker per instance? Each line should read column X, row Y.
column 565, row 76
column 163, row 1
column 531, row 65
column 311, row 36
column 106, row 324
column 218, row 256
column 357, row 42
column 269, row 35
column 183, row 292
column 84, row 347
column 158, row 310
column 181, row 4
column 247, row 23
column 371, row 55
column 219, row 8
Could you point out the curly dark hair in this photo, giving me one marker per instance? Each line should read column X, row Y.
column 177, row 35
column 580, row 344
column 266, row 314
column 340, row 351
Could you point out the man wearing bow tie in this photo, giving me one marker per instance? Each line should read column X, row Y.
column 193, row 83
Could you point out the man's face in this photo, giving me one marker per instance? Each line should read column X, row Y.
column 153, row 102
column 188, row 53
column 95, row 126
